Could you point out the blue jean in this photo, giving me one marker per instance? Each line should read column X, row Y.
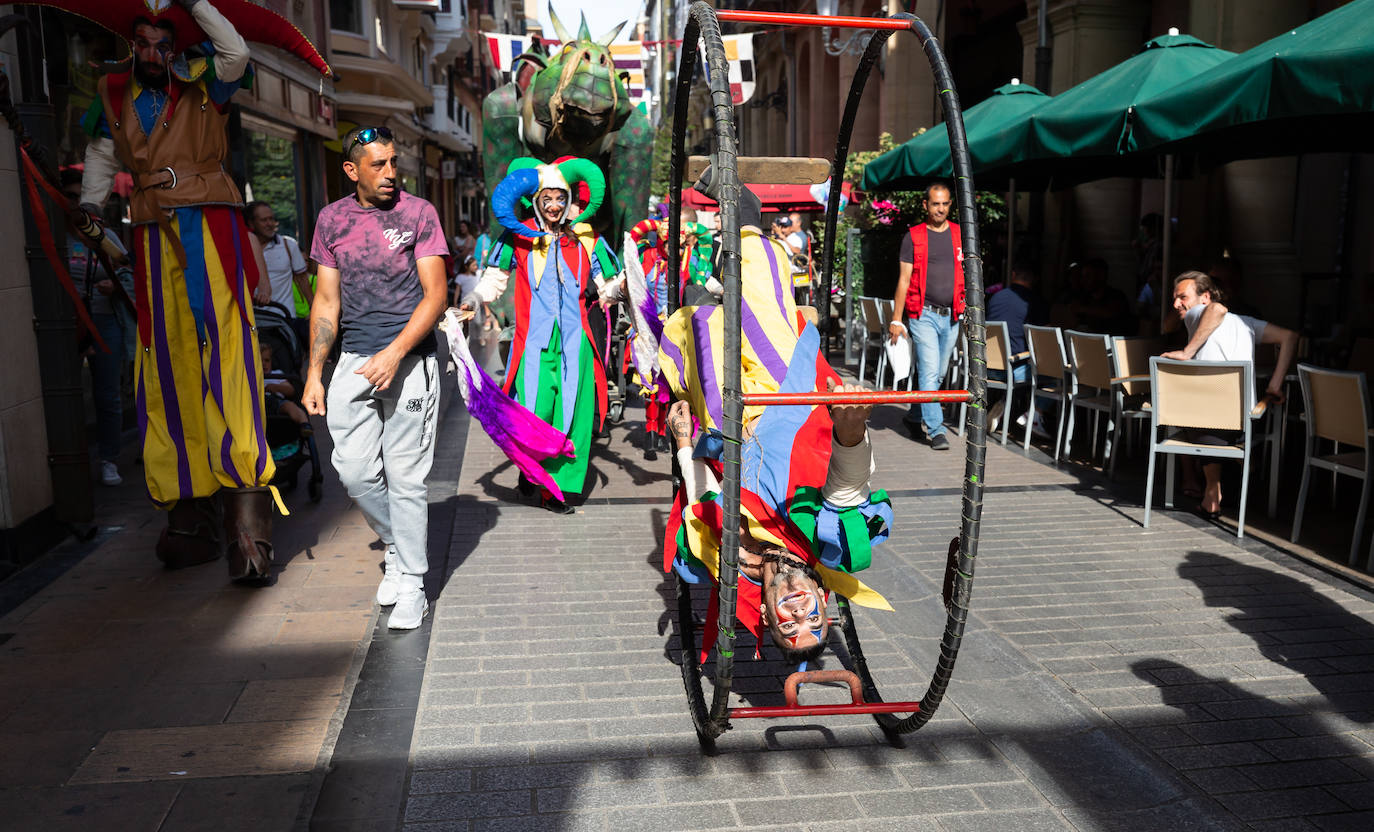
column 934, row 336
column 105, row 372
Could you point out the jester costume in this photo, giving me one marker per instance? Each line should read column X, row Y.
column 553, row 369
column 649, row 310
column 696, row 261
column 786, row 456
column 573, row 102
column 199, row 378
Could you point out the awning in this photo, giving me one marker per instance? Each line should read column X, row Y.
column 1078, row 135
column 774, row 198
column 1308, row 90
column 926, row 157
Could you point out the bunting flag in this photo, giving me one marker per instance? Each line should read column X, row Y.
column 629, row 57
column 739, row 54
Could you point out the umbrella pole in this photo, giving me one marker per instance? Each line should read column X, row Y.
column 1011, row 230
column 1165, row 291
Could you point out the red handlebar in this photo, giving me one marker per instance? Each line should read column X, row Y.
column 788, row 19
column 862, row 397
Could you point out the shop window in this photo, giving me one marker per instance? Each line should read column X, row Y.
column 272, row 166
column 346, row 15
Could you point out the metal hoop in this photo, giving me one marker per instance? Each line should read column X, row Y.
column 704, row 23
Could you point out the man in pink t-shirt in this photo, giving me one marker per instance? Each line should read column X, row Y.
column 382, row 286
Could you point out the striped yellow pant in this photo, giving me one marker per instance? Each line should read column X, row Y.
column 198, row 372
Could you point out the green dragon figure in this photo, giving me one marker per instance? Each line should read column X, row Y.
column 573, row 103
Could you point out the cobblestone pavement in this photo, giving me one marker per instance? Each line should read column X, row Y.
column 1112, row 677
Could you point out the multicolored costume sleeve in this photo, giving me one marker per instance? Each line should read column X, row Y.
column 522, row 437
column 785, row 459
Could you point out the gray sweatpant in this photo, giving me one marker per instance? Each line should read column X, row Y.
column 383, row 448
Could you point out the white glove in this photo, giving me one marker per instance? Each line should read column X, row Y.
column 491, row 286
column 612, row 291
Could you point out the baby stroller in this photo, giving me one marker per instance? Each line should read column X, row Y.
column 291, row 447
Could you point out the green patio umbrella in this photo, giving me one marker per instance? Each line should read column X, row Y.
column 1308, row 90
column 1077, row 136
column 926, row 156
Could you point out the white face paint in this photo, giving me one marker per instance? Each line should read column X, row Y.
column 553, row 205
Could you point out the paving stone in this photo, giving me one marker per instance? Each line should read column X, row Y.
column 682, row 816
column 597, row 796
column 921, row 802
column 1110, row 676
column 1282, row 803
column 428, row 782
column 1022, row 821
column 560, row 822
column 1005, row 796
column 1301, row 773
column 469, row 805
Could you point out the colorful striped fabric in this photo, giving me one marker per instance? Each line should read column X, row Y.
column 198, row 372
column 690, row 352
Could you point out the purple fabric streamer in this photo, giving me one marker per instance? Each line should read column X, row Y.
column 524, row 438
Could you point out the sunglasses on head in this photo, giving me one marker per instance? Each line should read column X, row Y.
column 367, row 136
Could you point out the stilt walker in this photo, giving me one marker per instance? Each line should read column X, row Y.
column 163, row 115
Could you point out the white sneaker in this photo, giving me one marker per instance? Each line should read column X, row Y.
column 1038, row 427
column 995, row 415
column 109, row 473
column 410, row 609
column 390, row 587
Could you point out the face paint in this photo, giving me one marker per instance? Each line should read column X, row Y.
column 784, row 612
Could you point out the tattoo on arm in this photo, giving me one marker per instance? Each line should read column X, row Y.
column 321, row 341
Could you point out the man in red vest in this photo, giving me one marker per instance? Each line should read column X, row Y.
column 929, row 302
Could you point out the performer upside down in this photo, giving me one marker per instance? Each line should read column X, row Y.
column 808, row 518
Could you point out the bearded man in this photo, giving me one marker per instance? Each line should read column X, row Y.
column 198, row 374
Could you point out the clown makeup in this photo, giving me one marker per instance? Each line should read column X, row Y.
column 152, row 48
column 553, row 204
column 794, row 609
column 799, row 613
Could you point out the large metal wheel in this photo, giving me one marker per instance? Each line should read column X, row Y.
column 704, row 24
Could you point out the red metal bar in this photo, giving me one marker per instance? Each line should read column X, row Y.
column 789, row 19
column 777, row 711
column 863, row 397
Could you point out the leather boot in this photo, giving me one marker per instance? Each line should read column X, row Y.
column 192, row 534
column 248, row 532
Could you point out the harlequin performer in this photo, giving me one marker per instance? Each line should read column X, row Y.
column 198, row 373
column 808, row 517
column 599, row 317
column 696, row 259
column 553, row 369
column 648, row 312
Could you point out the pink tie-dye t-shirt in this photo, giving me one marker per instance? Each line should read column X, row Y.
column 375, row 252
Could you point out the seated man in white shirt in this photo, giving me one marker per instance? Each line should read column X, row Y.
column 1227, row 337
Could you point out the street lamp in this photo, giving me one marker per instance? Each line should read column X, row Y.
column 833, row 47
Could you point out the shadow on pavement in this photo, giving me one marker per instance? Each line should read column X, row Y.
column 1264, row 759
column 1296, row 626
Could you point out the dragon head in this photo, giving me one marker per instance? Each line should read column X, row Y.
column 576, row 101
